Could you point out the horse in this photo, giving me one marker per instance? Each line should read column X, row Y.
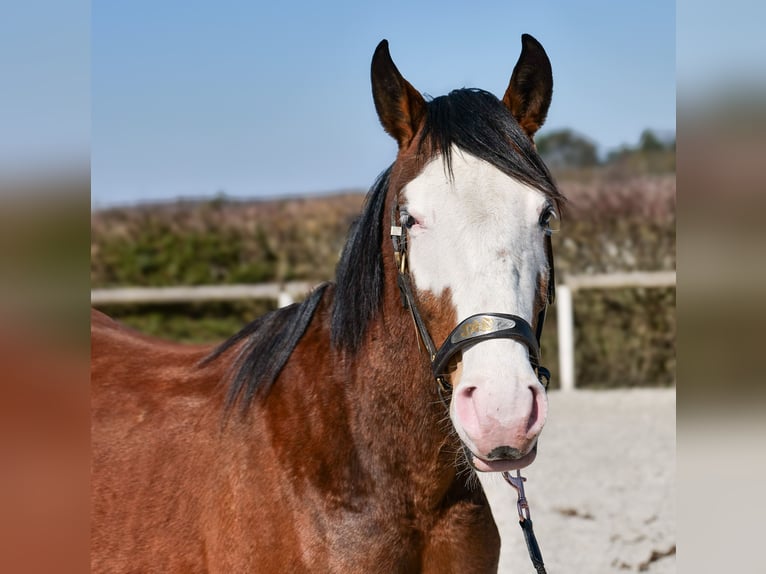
column 333, row 435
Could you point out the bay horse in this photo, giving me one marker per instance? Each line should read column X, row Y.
column 317, row 439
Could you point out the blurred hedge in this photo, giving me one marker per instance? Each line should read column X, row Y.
column 611, row 223
column 220, row 241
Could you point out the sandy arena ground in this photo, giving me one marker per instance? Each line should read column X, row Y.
column 602, row 490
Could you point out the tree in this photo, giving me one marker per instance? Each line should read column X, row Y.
column 649, row 142
column 566, row 149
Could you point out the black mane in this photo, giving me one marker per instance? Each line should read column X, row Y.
column 474, row 121
column 480, row 124
column 359, row 275
column 269, row 342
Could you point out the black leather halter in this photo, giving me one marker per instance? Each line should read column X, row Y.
column 474, row 329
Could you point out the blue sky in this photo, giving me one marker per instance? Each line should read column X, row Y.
column 44, row 87
column 720, row 46
column 263, row 99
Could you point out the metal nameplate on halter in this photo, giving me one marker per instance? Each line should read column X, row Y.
column 481, row 325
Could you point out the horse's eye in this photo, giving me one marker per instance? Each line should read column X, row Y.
column 407, row 220
column 549, row 220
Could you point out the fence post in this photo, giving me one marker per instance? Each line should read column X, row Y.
column 284, row 299
column 565, row 327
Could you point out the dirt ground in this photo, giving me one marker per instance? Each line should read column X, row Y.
column 602, row 490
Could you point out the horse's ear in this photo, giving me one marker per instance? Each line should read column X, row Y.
column 400, row 107
column 529, row 92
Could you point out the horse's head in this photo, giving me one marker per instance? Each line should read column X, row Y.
column 475, row 204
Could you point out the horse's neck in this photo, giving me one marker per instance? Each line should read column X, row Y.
column 370, row 418
column 396, row 416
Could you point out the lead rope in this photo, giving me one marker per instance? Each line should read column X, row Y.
column 525, row 521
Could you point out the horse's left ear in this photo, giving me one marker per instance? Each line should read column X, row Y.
column 529, row 92
column 400, row 107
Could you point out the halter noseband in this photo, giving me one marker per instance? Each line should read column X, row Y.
column 474, row 329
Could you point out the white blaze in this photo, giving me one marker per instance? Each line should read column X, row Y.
column 478, row 234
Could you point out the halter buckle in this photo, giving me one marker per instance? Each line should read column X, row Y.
column 444, row 386
column 544, row 376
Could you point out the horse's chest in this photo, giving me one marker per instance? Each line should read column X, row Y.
column 459, row 542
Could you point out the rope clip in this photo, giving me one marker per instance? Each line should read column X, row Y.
column 517, row 482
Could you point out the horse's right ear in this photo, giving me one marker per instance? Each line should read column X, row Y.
column 400, row 107
column 529, row 92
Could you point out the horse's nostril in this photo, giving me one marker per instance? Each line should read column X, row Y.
column 538, row 412
column 533, row 415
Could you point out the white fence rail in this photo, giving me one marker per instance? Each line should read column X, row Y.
column 286, row 293
column 283, row 293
